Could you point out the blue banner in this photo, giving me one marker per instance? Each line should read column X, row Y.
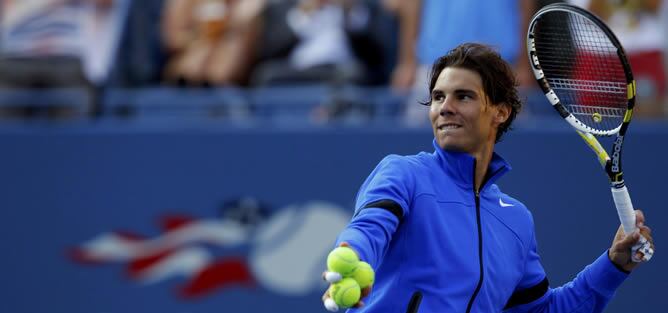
column 212, row 219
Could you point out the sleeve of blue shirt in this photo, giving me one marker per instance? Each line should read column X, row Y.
column 590, row 291
column 382, row 201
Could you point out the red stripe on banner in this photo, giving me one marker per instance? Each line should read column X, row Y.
column 81, row 256
column 139, row 265
column 129, row 235
column 221, row 274
column 172, row 222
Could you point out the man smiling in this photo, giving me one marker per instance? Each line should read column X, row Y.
column 435, row 223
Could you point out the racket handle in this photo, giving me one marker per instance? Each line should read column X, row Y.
column 624, row 208
column 627, row 216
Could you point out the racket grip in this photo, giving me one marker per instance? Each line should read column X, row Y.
column 624, row 208
column 627, row 216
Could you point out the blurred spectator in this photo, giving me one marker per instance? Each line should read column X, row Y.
column 664, row 25
column 638, row 26
column 334, row 41
column 430, row 28
column 142, row 59
column 210, row 42
column 58, row 43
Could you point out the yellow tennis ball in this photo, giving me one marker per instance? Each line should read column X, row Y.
column 363, row 274
column 345, row 293
column 342, row 260
column 597, row 117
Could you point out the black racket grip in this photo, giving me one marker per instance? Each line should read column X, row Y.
column 414, row 304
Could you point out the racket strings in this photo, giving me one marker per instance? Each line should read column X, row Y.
column 588, row 85
column 602, row 111
column 583, row 68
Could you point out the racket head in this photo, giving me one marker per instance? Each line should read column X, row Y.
column 582, row 68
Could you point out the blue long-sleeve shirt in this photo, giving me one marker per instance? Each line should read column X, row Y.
column 422, row 227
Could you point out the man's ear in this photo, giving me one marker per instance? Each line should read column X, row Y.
column 502, row 113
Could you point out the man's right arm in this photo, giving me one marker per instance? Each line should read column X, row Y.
column 382, row 202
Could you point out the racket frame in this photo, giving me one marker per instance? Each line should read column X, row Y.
column 611, row 165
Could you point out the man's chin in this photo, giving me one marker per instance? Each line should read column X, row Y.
column 449, row 145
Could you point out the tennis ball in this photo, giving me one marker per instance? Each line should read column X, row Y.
column 363, row 274
column 345, row 293
column 597, row 117
column 342, row 260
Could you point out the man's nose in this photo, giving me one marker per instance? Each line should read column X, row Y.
column 447, row 108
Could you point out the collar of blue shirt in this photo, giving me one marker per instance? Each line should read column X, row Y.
column 459, row 166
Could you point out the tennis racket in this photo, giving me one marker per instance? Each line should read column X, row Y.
column 582, row 69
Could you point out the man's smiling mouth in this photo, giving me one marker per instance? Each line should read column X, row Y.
column 449, row 126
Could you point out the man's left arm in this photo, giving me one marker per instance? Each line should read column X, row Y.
column 592, row 289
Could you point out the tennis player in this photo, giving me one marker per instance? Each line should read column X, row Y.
column 436, row 223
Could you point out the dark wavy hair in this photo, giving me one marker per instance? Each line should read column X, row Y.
column 498, row 78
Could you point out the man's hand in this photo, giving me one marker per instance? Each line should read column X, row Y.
column 620, row 251
column 333, row 277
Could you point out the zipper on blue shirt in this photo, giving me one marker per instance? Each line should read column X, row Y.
column 477, row 213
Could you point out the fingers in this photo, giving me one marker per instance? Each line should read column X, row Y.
column 330, row 305
column 628, row 250
column 645, row 231
column 325, row 295
column 334, row 277
column 627, row 241
column 328, row 302
column 644, row 250
column 640, row 218
column 365, row 292
column 331, row 277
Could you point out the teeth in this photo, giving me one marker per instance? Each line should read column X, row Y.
column 449, row 127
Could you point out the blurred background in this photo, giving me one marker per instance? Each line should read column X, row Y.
column 202, row 155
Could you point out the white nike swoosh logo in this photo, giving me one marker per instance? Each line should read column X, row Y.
column 503, row 204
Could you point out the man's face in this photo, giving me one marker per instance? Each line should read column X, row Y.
column 461, row 114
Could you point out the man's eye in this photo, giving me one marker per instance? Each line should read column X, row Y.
column 438, row 98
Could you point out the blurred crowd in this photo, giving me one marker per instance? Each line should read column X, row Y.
column 386, row 46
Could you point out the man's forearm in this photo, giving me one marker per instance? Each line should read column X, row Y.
column 370, row 233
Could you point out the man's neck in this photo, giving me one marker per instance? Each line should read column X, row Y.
column 483, row 158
